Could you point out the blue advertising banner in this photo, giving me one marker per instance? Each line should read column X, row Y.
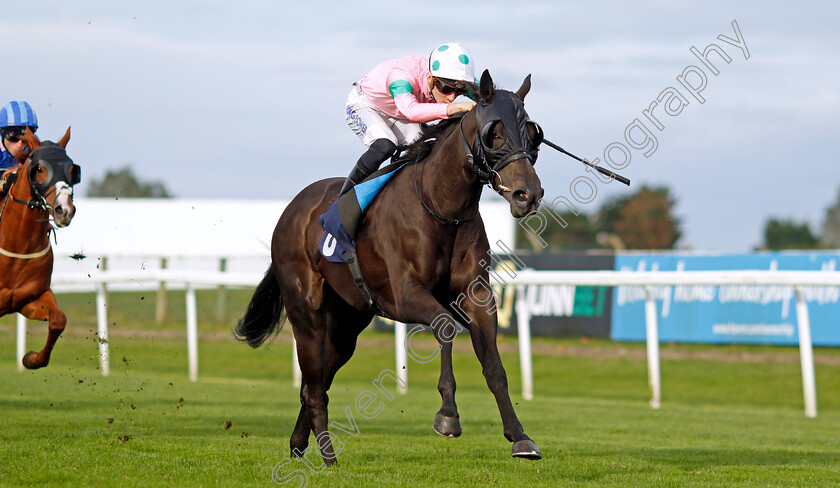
column 728, row 314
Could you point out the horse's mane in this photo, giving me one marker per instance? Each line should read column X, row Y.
column 434, row 132
column 428, row 137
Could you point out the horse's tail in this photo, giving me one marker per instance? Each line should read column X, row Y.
column 264, row 316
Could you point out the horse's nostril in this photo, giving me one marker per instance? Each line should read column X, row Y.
column 521, row 196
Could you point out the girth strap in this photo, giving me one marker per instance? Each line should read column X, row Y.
column 359, row 280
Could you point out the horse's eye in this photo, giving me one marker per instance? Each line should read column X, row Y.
column 497, row 135
column 41, row 174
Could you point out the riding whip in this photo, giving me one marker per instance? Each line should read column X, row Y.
column 601, row 170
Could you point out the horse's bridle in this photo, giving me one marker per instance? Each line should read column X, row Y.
column 487, row 161
column 60, row 168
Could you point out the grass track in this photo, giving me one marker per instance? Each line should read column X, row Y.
column 721, row 424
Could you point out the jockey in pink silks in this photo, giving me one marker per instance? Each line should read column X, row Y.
column 388, row 107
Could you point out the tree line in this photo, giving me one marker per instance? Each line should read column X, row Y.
column 122, row 183
column 646, row 220
column 641, row 220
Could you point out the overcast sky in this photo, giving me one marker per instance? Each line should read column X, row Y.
column 245, row 99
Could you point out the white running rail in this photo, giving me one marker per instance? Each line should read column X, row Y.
column 648, row 280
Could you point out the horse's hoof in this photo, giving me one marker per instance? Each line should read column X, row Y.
column 28, row 361
column 526, row 448
column 447, row 426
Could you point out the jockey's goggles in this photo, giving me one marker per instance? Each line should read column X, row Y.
column 450, row 86
column 14, row 134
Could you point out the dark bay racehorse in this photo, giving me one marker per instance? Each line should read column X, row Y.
column 43, row 192
column 421, row 246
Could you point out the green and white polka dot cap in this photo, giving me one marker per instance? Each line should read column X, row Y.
column 453, row 62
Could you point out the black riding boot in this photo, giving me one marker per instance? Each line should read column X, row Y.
column 379, row 151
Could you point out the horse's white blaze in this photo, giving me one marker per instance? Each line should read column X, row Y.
column 63, row 199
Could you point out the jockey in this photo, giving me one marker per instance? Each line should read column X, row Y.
column 387, row 107
column 15, row 117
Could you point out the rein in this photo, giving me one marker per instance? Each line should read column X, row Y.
column 15, row 255
column 487, row 160
column 486, row 173
column 442, row 220
column 43, row 207
column 37, row 201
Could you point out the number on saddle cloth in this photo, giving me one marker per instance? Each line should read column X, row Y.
column 342, row 220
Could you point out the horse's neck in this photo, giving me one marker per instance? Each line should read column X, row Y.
column 447, row 183
column 22, row 230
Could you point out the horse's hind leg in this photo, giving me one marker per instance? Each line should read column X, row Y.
column 447, row 422
column 310, row 334
column 44, row 308
column 333, row 343
column 299, row 441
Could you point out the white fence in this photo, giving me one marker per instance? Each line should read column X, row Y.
column 648, row 280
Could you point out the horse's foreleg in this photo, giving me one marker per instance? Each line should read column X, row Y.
column 44, row 308
column 483, row 329
column 484, row 342
column 419, row 306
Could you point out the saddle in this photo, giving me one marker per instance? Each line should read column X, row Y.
column 342, row 221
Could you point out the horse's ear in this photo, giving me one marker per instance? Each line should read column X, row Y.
column 524, row 89
column 485, row 87
column 64, row 140
column 29, row 138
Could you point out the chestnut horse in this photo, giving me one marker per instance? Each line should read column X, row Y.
column 420, row 247
column 43, row 192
